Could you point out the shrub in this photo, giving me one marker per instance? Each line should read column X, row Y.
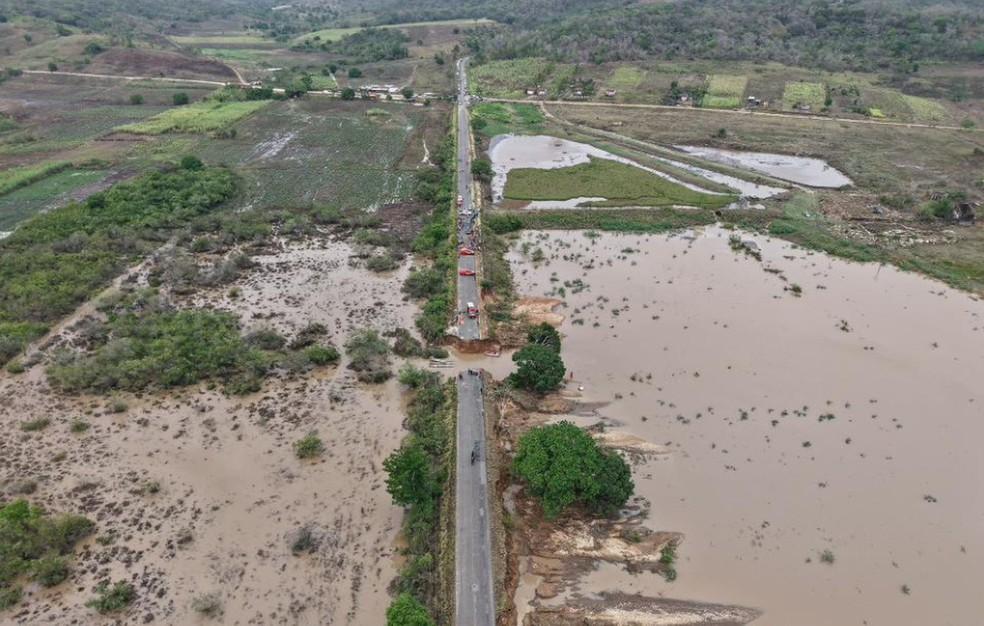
column 50, row 570
column 112, row 599
column 35, row 425
column 407, row 611
column 406, row 345
column 382, row 263
column 322, row 355
column 425, row 283
column 309, row 447
column 136, row 99
column 354, row 72
column 31, row 541
column 348, row 94
column 164, row 349
column 369, row 356
column 538, row 368
column 209, row 605
column 191, row 163
column 482, row 170
column 307, row 336
column 564, row 466
column 414, row 377
column 10, row 596
column 265, row 339
column 180, row 99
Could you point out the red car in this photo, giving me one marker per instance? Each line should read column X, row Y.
column 466, row 252
column 466, row 272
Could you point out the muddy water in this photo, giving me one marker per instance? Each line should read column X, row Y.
column 848, row 419
column 232, row 494
column 510, row 152
column 802, row 170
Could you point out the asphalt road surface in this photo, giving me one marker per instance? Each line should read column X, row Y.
column 474, row 602
column 468, row 327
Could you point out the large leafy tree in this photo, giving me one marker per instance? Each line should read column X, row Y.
column 410, row 480
column 564, row 467
column 538, row 368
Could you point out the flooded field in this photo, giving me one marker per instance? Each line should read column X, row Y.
column 194, row 492
column 509, row 152
column 801, row 170
column 821, row 420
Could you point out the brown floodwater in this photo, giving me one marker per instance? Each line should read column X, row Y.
column 846, row 419
column 230, row 493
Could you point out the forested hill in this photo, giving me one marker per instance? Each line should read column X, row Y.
column 852, row 34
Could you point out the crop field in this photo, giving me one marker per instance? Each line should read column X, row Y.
column 319, row 151
column 238, row 55
column 926, row 110
column 724, row 91
column 201, row 117
column 798, row 94
column 510, row 79
column 619, row 183
column 17, row 177
column 490, row 119
column 51, row 191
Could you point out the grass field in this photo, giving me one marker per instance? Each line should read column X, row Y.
column 626, row 77
column 621, row 184
column 240, row 55
column 48, row 192
column 801, row 94
column 490, row 119
column 18, row 177
column 213, row 40
column 724, row 91
column 201, row 117
column 925, row 110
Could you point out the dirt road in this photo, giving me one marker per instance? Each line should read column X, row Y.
column 196, row 81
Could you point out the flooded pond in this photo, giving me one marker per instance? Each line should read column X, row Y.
column 824, row 460
column 509, row 152
column 801, row 170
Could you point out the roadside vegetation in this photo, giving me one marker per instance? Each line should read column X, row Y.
column 57, row 260
column 200, row 117
column 417, row 477
column 17, row 177
column 489, row 119
column 436, row 244
column 564, row 467
column 35, row 545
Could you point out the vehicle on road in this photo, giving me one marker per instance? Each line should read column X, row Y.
column 475, row 453
column 466, row 252
column 472, row 310
column 466, row 272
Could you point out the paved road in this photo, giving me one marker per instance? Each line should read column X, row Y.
column 474, row 601
column 814, row 118
column 468, row 328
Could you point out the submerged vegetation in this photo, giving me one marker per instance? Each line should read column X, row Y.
column 57, row 260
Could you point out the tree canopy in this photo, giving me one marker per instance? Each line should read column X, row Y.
column 538, row 368
column 564, row 466
column 407, row 611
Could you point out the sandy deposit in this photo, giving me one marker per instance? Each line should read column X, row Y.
column 847, row 420
column 232, row 495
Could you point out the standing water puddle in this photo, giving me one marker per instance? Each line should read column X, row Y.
column 509, row 152
column 800, row 170
column 847, row 420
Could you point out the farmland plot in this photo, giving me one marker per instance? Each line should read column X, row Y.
column 724, row 91
column 800, row 95
column 324, row 152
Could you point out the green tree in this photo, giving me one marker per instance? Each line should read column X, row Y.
column 538, row 368
column 354, row 72
column 136, row 99
column 544, row 335
column 410, row 479
column 348, row 94
column 180, row 99
column 407, row 93
column 191, row 162
column 52, row 67
column 482, row 169
column 407, row 611
column 564, row 466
